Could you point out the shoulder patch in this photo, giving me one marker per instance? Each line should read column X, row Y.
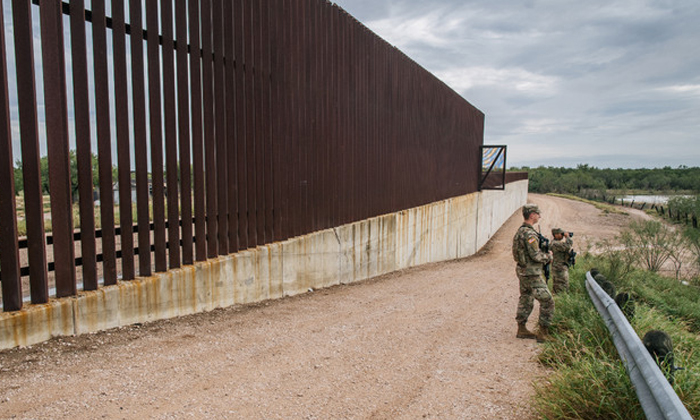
column 532, row 239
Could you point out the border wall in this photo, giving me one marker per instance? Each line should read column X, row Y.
column 206, row 128
column 454, row 228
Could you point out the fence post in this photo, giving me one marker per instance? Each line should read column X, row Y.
column 83, row 140
column 54, row 70
column 9, row 251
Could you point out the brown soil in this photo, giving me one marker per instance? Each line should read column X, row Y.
column 437, row 341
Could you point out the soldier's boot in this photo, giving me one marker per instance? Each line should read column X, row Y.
column 542, row 334
column 523, row 332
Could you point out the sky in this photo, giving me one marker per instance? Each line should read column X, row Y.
column 610, row 84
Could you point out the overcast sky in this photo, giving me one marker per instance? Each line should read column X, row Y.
column 612, row 84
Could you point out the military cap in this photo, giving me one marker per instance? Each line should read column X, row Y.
column 557, row 230
column 530, row 208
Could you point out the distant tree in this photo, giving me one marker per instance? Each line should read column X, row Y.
column 657, row 181
column 19, row 180
column 587, row 178
column 44, row 170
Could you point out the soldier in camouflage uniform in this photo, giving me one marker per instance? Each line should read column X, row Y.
column 560, row 246
column 530, row 260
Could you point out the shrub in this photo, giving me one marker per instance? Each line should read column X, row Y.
column 651, row 243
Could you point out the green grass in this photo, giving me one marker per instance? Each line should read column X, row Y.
column 588, row 379
column 665, row 294
column 604, row 207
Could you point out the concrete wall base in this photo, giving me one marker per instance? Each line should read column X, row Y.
column 440, row 231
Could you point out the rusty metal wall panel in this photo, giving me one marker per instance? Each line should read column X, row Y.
column 249, row 86
column 259, row 50
column 266, row 64
column 197, row 131
column 184, row 138
column 209, row 129
column 140, row 141
column 334, row 154
column 291, row 80
column 316, row 102
column 321, row 119
column 304, row 139
column 156, row 131
column 258, row 136
column 28, row 123
column 352, row 145
column 83, row 140
column 309, row 123
column 171, row 146
column 55, row 95
column 364, row 140
column 276, row 112
column 343, row 129
column 275, row 34
column 9, row 249
column 281, row 114
column 301, row 135
column 515, row 176
column 237, row 22
column 260, row 118
column 231, row 169
column 323, row 75
column 220, row 104
column 104, row 148
column 121, row 100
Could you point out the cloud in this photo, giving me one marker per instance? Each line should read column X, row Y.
column 692, row 90
column 543, row 126
column 433, row 29
column 507, row 79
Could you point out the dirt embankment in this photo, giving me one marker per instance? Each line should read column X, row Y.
column 434, row 342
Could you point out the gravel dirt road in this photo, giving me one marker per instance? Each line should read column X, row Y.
column 436, row 342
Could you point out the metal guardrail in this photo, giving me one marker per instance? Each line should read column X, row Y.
column 657, row 397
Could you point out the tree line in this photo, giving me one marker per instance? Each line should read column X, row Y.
column 44, row 169
column 584, row 177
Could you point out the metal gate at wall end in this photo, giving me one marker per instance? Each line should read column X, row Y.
column 492, row 171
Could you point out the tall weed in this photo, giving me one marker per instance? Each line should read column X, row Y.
column 651, row 242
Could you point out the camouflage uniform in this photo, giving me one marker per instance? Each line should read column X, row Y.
column 560, row 267
column 526, row 252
